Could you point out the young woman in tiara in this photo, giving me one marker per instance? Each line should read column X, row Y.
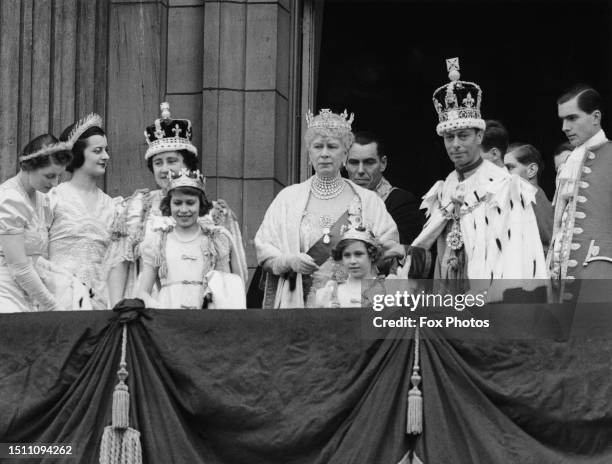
column 358, row 251
column 182, row 247
column 24, row 220
column 83, row 214
column 169, row 151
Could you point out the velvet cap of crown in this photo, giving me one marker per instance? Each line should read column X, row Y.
column 167, row 134
column 458, row 102
column 327, row 120
column 187, row 178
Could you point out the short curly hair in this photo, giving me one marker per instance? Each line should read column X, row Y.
column 374, row 252
column 346, row 137
column 189, row 160
column 61, row 158
column 205, row 205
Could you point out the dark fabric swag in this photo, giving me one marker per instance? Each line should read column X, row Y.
column 293, row 387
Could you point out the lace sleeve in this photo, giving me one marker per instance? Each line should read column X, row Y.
column 150, row 248
column 223, row 248
column 222, row 215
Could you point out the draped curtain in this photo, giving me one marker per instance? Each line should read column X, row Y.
column 300, row 387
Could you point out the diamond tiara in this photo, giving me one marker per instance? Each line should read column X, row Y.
column 330, row 121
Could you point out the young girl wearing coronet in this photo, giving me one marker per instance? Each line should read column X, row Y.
column 358, row 250
column 183, row 246
column 169, row 150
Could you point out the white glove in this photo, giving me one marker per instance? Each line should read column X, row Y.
column 29, row 280
column 301, row 263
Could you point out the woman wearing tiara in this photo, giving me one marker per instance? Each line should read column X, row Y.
column 24, row 221
column 183, row 246
column 169, row 151
column 83, row 214
column 303, row 223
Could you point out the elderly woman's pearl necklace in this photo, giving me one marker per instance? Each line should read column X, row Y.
column 326, row 188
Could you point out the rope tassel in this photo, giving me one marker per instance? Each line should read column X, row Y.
column 120, row 443
column 121, row 402
column 414, row 414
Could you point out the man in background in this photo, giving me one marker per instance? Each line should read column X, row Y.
column 582, row 233
column 366, row 163
column 494, row 142
column 526, row 161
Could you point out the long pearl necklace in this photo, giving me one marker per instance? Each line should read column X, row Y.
column 326, row 188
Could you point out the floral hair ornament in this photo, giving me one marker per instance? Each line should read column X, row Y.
column 47, row 150
column 82, row 125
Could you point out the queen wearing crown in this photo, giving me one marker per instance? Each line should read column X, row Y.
column 183, row 247
column 169, row 151
column 304, row 222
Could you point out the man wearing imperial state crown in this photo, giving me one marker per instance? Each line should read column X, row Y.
column 481, row 217
column 581, row 246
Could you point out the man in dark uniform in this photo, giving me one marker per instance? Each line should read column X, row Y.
column 582, row 229
column 367, row 160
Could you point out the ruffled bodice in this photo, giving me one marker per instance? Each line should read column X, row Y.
column 136, row 216
column 182, row 264
column 79, row 236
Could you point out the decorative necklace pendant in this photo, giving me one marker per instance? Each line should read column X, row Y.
column 454, row 239
column 326, row 238
column 326, row 221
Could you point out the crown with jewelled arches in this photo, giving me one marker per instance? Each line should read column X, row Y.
column 167, row 134
column 458, row 102
column 330, row 121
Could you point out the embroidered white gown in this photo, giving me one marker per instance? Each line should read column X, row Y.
column 133, row 223
column 79, row 238
column 183, row 263
column 19, row 216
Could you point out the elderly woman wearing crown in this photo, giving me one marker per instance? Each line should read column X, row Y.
column 481, row 217
column 169, row 151
column 303, row 223
column 24, row 221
